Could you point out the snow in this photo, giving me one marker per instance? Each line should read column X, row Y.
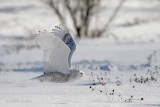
column 18, row 90
column 132, row 47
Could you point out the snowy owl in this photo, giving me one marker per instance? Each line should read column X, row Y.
column 58, row 47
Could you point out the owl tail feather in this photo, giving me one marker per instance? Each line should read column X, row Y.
column 41, row 78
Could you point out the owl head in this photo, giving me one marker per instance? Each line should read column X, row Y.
column 76, row 74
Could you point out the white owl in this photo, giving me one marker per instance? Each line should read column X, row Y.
column 58, row 47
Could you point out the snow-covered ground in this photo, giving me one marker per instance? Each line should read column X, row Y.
column 122, row 59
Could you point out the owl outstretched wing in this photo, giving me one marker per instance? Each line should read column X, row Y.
column 67, row 39
column 56, row 52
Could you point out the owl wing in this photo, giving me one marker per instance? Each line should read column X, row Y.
column 67, row 39
column 56, row 53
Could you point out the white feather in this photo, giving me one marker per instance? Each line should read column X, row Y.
column 67, row 39
column 56, row 52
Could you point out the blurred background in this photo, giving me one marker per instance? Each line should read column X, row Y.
column 91, row 22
